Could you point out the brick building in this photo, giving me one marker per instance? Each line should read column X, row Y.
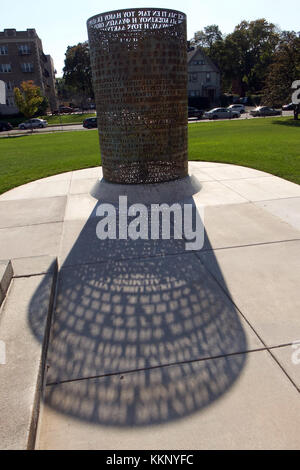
column 22, row 59
column 204, row 80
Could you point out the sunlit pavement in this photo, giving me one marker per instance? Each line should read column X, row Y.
column 152, row 346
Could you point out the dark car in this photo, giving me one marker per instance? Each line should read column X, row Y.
column 65, row 110
column 5, row 126
column 265, row 111
column 288, row 107
column 89, row 123
column 194, row 112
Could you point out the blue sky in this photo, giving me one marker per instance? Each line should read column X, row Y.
column 60, row 23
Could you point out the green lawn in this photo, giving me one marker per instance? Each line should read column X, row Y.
column 271, row 145
column 30, row 157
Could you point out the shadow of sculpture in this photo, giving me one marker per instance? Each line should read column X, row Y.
column 142, row 334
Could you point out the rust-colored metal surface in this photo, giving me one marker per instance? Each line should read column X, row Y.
column 139, row 66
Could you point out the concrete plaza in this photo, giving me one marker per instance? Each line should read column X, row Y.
column 146, row 345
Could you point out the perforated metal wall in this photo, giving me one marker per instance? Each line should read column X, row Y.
column 139, row 66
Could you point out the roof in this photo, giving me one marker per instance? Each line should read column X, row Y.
column 195, row 51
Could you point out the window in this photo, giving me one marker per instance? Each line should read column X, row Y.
column 3, row 50
column 193, row 77
column 198, row 62
column 5, row 68
column 193, row 93
column 10, row 102
column 208, row 76
column 27, row 67
column 10, row 86
column 24, row 49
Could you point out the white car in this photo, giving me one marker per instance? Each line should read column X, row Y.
column 237, row 107
column 33, row 124
column 221, row 113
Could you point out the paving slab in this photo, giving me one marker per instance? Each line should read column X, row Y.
column 82, row 185
column 23, row 327
column 243, row 224
column 287, row 209
column 201, row 174
column 60, row 177
column 33, row 240
column 80, row 244
column 38, row 190
column 234, row 402
column 95, row 172
column 203, row 164
column 119, row 316
column 261, row 189
column 80, row 207
column 34, row 265
column 214, row 193
column 230, row 172
column 263, row 281
column 17, row 213
column 289, row 359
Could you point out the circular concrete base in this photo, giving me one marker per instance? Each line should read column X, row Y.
column 171, row 191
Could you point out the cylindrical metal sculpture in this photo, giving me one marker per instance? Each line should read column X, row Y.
column 139, row 65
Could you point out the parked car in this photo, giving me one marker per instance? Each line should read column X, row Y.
column 288, row 107
column 237, row 107
column 33, row 124
column 65, row 110
column 194, row 112
column 221, row 113
column 265, row 111
column 89, row 123
column 5, row 126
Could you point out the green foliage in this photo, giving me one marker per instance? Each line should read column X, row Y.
column 285, row 68
column 242, row 56
column 43, row 106
column 77, row 70
column 28, row 98
column 207, row 37
column 65, row 93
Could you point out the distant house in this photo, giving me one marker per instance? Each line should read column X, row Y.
column 204, row 83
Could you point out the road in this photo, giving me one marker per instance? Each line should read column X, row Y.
column 79, row 127
column 243, row 116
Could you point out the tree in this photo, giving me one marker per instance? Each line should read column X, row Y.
column 242, row 56
column 207, row 37
column 43, row 107
column 28, row 98
column 250, row 49
column 284, row 70
column 77, row 70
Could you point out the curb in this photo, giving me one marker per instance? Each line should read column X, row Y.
column 6, row 275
